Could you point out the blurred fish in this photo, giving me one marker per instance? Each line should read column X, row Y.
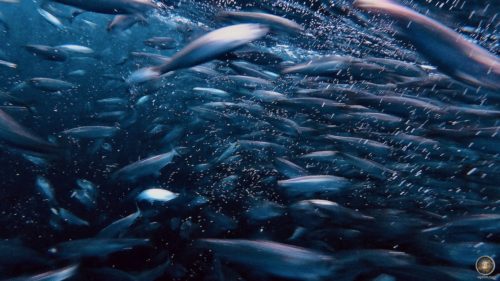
column 326, row 150
column 52, row 275
column 86, row 193
column 121, row 23
column 249, row 81
column 156, row 195
column 17, row 112
column 70, row 218
column 370, row 167
column 46, row 189
column 275, row 22
column 162, row 43
column 369, row 146
column 111, row 7
column 47, row 52
column 77, row 249
column 79, row 72
column 211, row 91
column 451, row 52
column 8, row 64
column 312, row 184
column 16, row 135
column 51, row 18
column 306, row 211
column 266, row 96
column 230, row 150
column 119, row 227
column 274, row 258
column 73, row 48
column 338, row 66
column 289, row 169
column 265, row 210
column 115, row 102
column 148, row 167
column 92, row 132
column 204, row 49
column 50, row 84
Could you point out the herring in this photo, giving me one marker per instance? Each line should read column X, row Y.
column 51, row 18
column 203, row 49
column 156, row 195
column 50, row 84
column 275, row 22
column 73, row 48
column 274, row 258
column 146, row 167
column 95, row 247
column 312, row 184
column 450, row 51
column 111, row 6
column 92, row 132
column 59, row 274
column 47, row 52
column 16, row 135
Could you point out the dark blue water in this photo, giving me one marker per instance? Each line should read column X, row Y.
column 407, row 146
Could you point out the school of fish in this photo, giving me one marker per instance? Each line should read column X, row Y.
column 249, row 140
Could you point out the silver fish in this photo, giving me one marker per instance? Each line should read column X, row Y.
column 73, row 48
column 52, row 275
column 273, row 258
column 47, row 52
column 452, row 53
column 50, row 84
column 51, row 18
column 156, row 195
column 70, row 218
column 44, row 186
column 118, row 227
column 289, row 169
column 92, row 132
column 121, row 23
column 273, row 21
column 147, row 167
column 204, row 49
column 76, row 249
column 17, row 136
column 111, row 6
column 313, row 184
column 8, row 64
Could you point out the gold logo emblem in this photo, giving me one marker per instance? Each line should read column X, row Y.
column 485, row 265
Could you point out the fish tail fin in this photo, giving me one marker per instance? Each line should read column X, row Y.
column 144, row 75
column 180, row 150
